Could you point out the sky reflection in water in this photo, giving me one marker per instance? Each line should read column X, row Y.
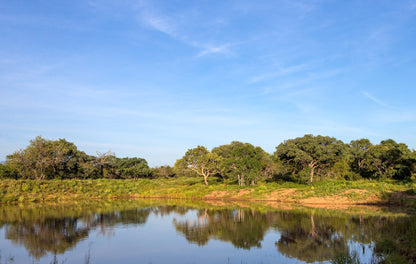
column 174, row 234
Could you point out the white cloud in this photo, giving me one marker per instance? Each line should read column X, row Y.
column 224, row 49
column 175, row 26
column 304, row 82
column 160, row 23
column 374, row 99
column 281, row 71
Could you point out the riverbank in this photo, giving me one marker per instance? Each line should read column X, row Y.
column 329, row 194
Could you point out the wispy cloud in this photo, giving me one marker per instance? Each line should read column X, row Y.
column 224, row 49
column 306, row 81
column 174, row 26
column 281, row 71
column 374, row 99
column 160, row 23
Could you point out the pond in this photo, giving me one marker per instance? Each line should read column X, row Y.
column 157, row 231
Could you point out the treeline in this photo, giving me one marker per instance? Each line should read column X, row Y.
column 60, row 159
column 304, row 159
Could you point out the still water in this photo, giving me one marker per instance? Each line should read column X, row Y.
column 168, row 232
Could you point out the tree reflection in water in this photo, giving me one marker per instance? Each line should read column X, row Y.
column 243, row 228
column 49, row 235
column 307, row 235
column 57, row 235
column 311, row 242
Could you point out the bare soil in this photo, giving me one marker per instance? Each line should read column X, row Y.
column 287, row 196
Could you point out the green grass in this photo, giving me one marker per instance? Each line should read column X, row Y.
column 12, row 191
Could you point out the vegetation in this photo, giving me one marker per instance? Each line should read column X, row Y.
column 60, row 159
column 303, row 160
column 337, row 192
column 310, row 166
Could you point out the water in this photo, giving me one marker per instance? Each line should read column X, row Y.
column 167, row 232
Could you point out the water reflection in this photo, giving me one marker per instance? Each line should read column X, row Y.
column 311, row 240
column 307, row 235
column 244, row 229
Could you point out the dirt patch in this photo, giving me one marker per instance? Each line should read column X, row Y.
column 281, row 195
column 216, row 195
column 241, row 193
column 343, row 200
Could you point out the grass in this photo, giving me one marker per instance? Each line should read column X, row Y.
column 14, row 191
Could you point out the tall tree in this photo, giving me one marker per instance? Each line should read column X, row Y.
column 201, row 161
column 44, row 159
column 310, row 152
column 358, row 150
column 389, row 159
column 243, row 161
column 128, row 168
column 105, row 162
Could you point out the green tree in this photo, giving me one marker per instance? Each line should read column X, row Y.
column 201, row 161
column 244, row 162
column 163, row 172
column 44, row 159
column 105, row 162
column 357, row 153
column 128, row 168
column 7, row 171
column 307, row 154
column 389, row 160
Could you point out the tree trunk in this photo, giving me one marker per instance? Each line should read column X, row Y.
column 240, row 179
column 205, row 179
column 312, row 171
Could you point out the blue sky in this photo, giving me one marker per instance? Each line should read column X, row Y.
column 154, row 78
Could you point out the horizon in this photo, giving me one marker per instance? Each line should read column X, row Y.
column 152, row 79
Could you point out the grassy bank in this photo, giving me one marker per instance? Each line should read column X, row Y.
column 319, row 193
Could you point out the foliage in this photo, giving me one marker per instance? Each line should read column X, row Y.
column 163, row 172
column 6, row 171
column 45, row 159
column 389, row 160
column 243, row 162
column 201, row 161
column 307, row 154
column 132, row 168
column 60, row 159
column 304, row 159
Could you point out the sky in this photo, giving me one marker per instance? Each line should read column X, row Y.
column 152, row 79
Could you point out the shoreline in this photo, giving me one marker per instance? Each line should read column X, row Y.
column 335, row 194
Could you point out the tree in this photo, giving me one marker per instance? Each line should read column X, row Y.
column 201, row 161
column 44, row 159
column 105, row 162
column 310, row 153
column 389, row 160
column 163, row 171
column 6, row 171
column 358, row 149
column 128, row 168
column 243, row 161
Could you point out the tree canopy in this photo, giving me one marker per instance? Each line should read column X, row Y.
column 303, row 159
column 310, row 153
